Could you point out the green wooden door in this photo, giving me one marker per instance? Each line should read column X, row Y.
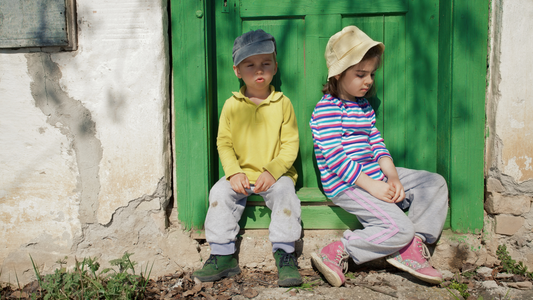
column 406, row 104
column 429, row 107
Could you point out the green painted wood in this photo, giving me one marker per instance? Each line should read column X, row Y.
column 311, row 194
column 421, row 78
column 417, row 105
column 469, row 63
column 190, row 113
column 396, row 113
column 259, row 8
column 444, row 93
column 313, row 217
column 462, row 62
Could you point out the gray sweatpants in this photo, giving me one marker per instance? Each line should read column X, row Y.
column 386, row 227
column 226, row 207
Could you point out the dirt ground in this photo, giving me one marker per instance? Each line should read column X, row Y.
column 363, row 283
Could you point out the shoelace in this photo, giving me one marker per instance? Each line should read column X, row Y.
column 213, row 259
column 341, row 259
column 424, row 249
column 287, row 260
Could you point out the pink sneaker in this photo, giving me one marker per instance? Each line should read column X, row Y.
column 332, row 262
column 413, row 259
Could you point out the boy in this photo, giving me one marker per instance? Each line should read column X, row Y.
column 257, row 144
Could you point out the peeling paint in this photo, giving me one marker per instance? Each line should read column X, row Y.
column 82, row 134
column 74, row 121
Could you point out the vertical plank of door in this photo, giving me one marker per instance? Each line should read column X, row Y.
column 422, row 33
column 190, row 123
column 470, row 36
column 228, row 26
column 444, row 126
column 396, row 114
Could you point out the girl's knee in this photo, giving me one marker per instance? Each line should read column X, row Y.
column 405, row 234
column 438, row 180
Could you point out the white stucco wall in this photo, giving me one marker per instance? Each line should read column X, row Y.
column 85, row 152
column 38, row 170
column 514, row 126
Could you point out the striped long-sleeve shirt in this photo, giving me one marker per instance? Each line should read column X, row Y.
column 346, row 143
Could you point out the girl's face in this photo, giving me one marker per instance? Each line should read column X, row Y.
column 357, row 79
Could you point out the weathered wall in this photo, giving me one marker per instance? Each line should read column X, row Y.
column 509, row 165
column 85, row 165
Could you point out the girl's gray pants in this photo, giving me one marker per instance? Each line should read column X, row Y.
column 386, row 227
column 226, row 207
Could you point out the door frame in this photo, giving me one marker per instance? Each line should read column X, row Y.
column 462, row 59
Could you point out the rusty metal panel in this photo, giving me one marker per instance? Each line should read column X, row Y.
column 35, row 23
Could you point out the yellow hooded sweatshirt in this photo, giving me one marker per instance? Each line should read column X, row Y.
column 254, row 138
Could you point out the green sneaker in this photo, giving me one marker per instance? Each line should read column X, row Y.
column 287, row 269
column 217, row 267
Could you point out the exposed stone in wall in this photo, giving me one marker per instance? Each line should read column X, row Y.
column 509, row 168
column 496, row 203
column 508, row 225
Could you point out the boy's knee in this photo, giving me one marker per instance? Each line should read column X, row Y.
column 283, row 185
column 221, row 186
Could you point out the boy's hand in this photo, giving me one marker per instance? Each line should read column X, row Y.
column 264, row 182
column 239, row 183
column 399, row 195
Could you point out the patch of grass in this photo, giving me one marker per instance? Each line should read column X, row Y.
column 469, row 274
column 306, row 286
column 85, row 282
column 460, row 287
column 350, row 275
column 509, row 265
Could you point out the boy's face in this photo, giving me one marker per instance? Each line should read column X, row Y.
column 257, row 71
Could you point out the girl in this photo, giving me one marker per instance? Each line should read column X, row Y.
column 358, row 173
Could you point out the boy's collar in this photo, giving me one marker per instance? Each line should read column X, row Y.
column 274, row 96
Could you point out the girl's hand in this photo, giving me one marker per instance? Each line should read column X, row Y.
column 382, row 191
column 399, row 195
column 239, row 183
column 264, row 182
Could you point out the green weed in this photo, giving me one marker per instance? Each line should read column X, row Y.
column 306, row 286
column 469, row 274
column 460, row 287
column 85, row 282
column 350, row 275
column 509, row 265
